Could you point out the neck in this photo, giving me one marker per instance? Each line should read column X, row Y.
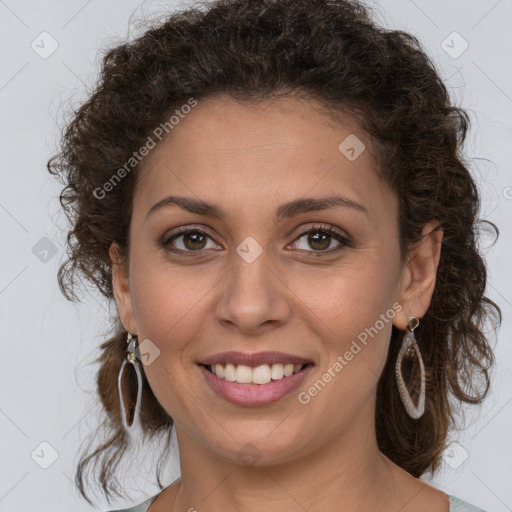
column 347, row 473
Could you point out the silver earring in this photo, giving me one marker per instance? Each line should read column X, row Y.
column 129, row 407
column 410, row 350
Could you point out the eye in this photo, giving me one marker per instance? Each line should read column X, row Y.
column 193, row 240
column 320, row 239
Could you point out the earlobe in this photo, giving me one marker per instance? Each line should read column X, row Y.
column 121, row 288
column 419, row 275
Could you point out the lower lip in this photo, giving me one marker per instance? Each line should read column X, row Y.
column 255, row 394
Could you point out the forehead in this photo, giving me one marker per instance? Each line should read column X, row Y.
column 238, row 153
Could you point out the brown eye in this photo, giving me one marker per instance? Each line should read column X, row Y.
column 188, row 241
column 193, row 240
column 320, row 239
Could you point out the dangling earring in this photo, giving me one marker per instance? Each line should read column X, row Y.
column 409, row 350
column 129, row 406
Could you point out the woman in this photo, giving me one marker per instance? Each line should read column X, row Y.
column 273, row 193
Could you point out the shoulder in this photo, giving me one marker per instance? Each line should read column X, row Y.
column 143, row 507
column 457, row 505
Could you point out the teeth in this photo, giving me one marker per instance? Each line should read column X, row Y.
column 288, row 370
column 277, row 371
column 243, row 374
column 258, row 375
column 229, row 372
column 261, row 374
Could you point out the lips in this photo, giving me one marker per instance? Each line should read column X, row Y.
column 255, row 395
column 255, row 359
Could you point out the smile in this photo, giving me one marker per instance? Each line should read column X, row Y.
column 262, row 374
column 258, row 386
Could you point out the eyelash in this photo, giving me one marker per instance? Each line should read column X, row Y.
column 344, row 240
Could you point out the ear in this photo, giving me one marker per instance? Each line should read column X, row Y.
column 418, row 278
column 121, row 287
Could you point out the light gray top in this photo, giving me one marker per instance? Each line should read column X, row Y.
column 456, row 505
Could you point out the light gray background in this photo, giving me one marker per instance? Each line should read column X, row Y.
column 47, row 379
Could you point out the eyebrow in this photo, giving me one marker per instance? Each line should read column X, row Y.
column 287, row 210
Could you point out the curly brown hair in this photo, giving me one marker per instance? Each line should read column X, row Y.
column 333, row 52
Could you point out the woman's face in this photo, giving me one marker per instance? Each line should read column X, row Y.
column 254, row 280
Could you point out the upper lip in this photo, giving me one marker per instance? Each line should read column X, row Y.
column 255, row 359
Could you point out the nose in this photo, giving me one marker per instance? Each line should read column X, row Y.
column 254, row 297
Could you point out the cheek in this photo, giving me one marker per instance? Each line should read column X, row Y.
column 167, row 311
column 168, row 301
column 353, row 323
column 351, row 311
column 349, row 298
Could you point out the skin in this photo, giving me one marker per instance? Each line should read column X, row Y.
column 249, row 160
